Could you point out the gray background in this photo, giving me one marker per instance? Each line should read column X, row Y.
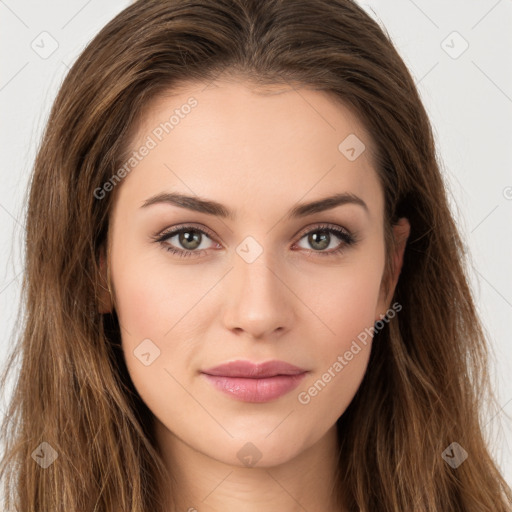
column 467, row 92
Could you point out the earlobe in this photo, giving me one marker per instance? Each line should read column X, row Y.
column 105, row 296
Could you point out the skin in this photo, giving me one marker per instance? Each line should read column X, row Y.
column 259, row 153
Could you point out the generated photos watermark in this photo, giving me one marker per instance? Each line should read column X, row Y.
column 304, row 397
column 151, row 142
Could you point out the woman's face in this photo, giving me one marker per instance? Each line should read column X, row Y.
column 257, row 276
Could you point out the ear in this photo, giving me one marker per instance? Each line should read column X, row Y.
column 105, row 298
column 401, row 232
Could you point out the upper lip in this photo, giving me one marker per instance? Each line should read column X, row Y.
column 250, row 370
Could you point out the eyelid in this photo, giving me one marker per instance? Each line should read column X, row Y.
column 181, row 227
column 318, row 226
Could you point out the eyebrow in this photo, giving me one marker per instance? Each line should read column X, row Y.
column 209, row 207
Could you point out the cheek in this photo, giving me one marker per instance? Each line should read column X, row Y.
column 150, row 298
column 341, row 355
column 347, row 310
column 348, row 303
column 158, row 309
column 155, row 333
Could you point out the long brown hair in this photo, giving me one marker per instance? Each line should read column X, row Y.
column 427, row 372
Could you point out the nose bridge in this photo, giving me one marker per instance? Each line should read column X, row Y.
column 259, row 300
column 255, row 269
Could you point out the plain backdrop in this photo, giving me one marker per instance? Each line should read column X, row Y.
column 459, row 53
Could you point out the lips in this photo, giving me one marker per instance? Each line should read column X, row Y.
column 253, row 382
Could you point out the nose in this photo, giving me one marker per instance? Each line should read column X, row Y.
column 259, row 300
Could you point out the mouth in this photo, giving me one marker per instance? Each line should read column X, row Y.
column 253, row 382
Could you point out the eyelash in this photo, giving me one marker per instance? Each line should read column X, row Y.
column 347, row 238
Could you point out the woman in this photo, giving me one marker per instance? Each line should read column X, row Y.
column 205, row 165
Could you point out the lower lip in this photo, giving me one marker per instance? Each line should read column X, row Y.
column 256, row 390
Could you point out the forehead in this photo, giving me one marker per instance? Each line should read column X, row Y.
column 283, row 109
column 230, row 138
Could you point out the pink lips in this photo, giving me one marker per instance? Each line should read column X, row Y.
column 250, row 382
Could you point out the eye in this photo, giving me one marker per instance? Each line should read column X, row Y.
column 191, row 241
column 321, row 237
column 188, row 238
